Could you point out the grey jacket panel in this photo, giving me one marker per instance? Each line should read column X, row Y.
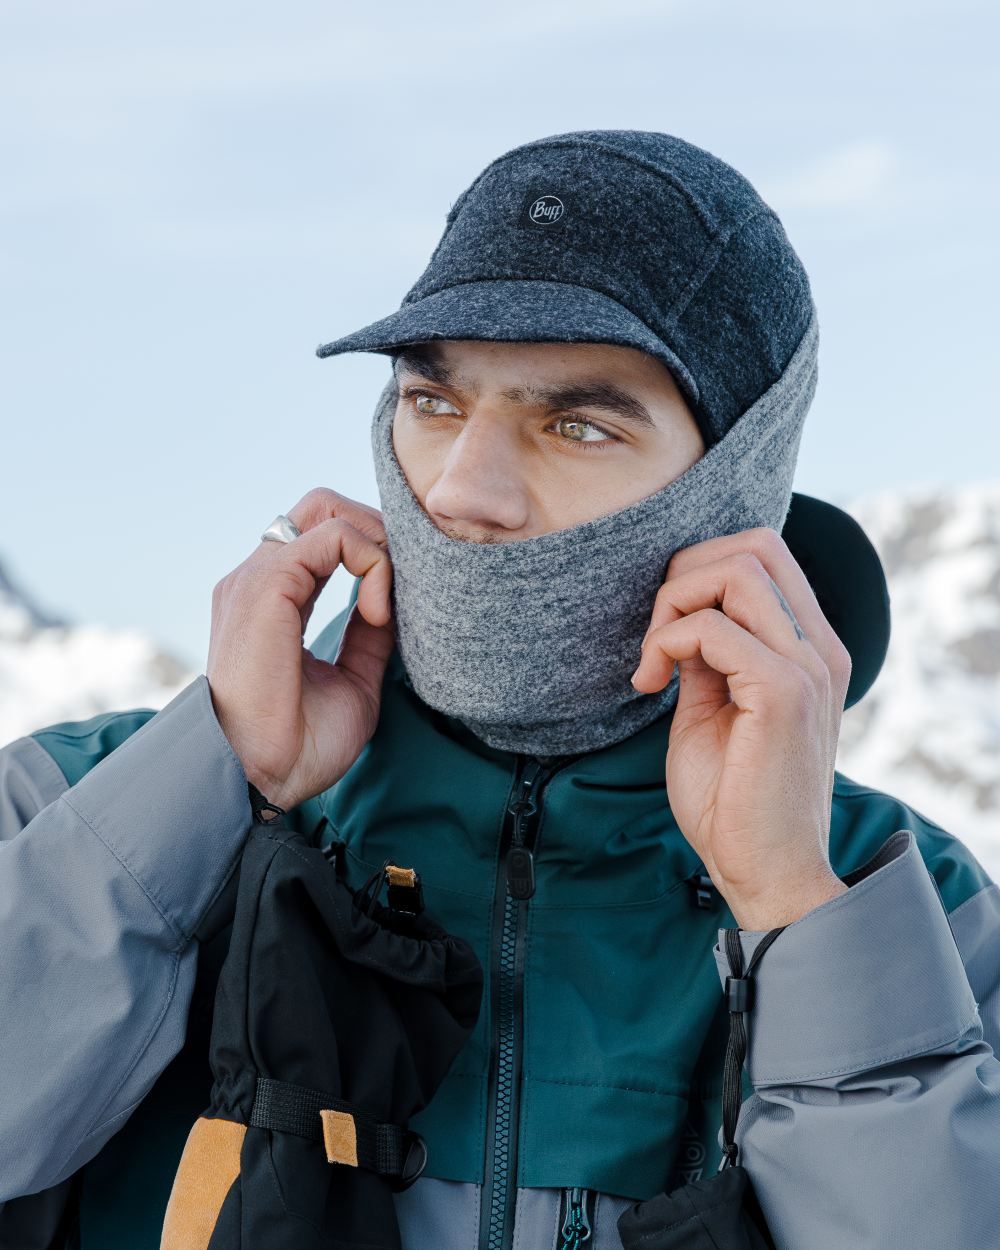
column 445, row 1215
column 976, row 926
column 871, row 1054
column 30, row 779
column 438, row 1213
column 537, row 1216
column 100, row 889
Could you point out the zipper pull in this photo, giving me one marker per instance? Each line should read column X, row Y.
column 520, row 863
column 525, row 804
column 520, row 872
column 576, row 1226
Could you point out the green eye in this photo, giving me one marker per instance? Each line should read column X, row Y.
column 584, row 434
column 575, row 428
column 419, row 402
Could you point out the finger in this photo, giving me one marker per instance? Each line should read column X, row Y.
column 300, row 565
column 748, row 595
column 365, row 649
column 700, row 687
column 320, row 504
column 757, row 677
column 772, row 551
column 315, row 507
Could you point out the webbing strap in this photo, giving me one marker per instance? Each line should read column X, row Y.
column 288, row 1108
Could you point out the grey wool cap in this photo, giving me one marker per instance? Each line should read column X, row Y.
column 628, row 237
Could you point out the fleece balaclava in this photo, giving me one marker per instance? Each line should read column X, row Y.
column 625, row 237
column 531, row 643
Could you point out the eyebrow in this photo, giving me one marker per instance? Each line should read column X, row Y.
column 594, row 393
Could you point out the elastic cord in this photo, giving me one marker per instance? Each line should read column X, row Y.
column 739, row 998
column 260, row 805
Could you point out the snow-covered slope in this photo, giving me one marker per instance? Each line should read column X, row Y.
column 928, row 731
column 52, row 671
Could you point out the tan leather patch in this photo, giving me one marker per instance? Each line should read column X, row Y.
column 209, row 1165
column 400, row 876
column 340, row 1137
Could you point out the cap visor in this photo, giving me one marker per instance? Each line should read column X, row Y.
column 514, row 311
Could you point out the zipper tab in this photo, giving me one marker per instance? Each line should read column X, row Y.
column 520, row 872
column 520, row 863
column 575, row 1226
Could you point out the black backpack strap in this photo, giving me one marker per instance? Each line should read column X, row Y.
column 351, row 1136
column 739, row 1000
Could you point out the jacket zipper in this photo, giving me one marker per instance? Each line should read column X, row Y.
column 576, row 1218
column 515, row 884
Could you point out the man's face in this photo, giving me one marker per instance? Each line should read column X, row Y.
column 502, row 441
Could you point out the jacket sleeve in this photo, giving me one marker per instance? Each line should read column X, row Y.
column 875, row 1117
column 103, row 887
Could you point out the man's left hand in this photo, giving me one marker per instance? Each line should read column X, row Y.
column 753, row 742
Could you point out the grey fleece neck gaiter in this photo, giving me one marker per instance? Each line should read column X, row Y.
column 531, row 642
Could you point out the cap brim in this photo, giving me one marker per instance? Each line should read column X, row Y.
column 846, row 575
column 512, row 311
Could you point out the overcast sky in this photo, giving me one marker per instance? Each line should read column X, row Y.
column 194, row 196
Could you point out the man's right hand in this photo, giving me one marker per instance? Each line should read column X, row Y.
column 297, row 723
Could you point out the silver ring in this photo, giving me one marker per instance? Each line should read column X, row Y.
column 281, row 530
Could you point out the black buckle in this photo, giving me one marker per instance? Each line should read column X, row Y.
column 704, row 895
column 333, row 852
column 406, row 898
column 413, row 1164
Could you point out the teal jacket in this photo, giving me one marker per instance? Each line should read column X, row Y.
column 593, row 1077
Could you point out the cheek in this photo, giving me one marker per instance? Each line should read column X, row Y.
column 416, row 456
column 672, row 460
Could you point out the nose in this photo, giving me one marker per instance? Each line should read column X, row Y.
column 480, row 490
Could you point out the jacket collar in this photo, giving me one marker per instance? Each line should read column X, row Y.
column 639, row 759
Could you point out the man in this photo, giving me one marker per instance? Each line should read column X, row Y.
column 585, row 687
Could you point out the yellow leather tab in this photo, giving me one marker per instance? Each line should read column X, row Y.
column 340, row 1136
column 400, row 876
column 208, row 1167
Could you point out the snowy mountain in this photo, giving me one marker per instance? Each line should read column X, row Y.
column 51, row 670
column 928, row 731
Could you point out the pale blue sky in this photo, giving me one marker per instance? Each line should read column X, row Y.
column 195, row 195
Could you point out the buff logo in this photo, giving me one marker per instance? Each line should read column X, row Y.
column 546, row 210
column 542, row 210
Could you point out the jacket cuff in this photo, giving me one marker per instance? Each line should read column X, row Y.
column 869, row 977
column 171, row 804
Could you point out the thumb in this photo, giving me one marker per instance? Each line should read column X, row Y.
column 701, row 693
column 365, row 649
